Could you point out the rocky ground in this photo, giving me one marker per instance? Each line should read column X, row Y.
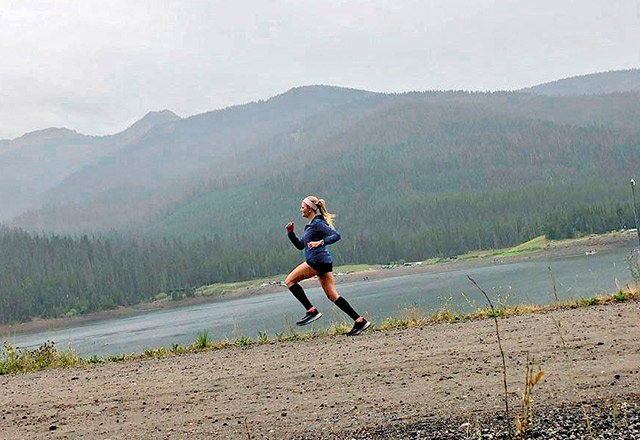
column 440, row 381
column 612, row 418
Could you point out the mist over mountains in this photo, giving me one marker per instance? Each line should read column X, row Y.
column 37, row 161
column 170, row 159
column 154, row 177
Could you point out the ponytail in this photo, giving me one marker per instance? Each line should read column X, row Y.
column 326, row 215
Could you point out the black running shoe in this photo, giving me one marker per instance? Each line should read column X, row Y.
column 359, row 327
column 309, row 317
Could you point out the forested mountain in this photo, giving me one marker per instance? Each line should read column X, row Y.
column 160, row 170
column 415, row 181
column 35, row 162
column 595, row 83
column 411, row 176
column 159, row 167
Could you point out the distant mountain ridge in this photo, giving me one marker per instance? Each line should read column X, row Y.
column 142, row 126
column 138, row 128
column 33, row 163
column 168, row 160
column 49, row 133
column 159, row 170
column 353, row 127
column 618, row 81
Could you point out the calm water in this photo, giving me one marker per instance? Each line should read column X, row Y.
column 527, row 281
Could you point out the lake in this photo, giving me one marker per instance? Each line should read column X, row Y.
column 518, row 282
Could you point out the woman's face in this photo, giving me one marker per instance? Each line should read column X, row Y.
column 305, row 211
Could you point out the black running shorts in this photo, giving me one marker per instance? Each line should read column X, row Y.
column 321, row 268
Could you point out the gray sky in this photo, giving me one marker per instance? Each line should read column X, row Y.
column 97, row 66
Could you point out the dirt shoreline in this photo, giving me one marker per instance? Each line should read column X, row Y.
column 554, row 250
column 335, row 387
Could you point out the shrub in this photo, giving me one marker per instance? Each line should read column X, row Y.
column 262, row 338
column 46, row 356
column 243, row 341
column 202, row 340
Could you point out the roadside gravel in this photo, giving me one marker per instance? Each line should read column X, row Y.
column 423, row 382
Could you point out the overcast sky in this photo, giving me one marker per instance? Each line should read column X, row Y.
column 97, row 66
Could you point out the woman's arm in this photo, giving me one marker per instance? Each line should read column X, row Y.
column 295, row 240
column 330, row 235
column 292, row 236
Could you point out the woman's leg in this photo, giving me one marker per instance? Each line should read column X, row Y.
column 328, row 283
column 299, row 273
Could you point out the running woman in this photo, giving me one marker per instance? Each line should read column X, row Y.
column 318, row 234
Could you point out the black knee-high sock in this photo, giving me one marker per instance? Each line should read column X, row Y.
column 298, row 292
column 346, row 308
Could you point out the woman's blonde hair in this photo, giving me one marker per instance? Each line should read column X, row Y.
column 322, row 210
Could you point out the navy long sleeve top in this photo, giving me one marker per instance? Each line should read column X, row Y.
column 316, row 230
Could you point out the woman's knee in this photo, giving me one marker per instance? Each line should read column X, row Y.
column 292, row 277
column 290, row 280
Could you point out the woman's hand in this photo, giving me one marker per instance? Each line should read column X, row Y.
column 289, row 227
column 313, row 244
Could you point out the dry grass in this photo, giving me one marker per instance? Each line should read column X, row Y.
column 504, row 364
column 524, row 419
